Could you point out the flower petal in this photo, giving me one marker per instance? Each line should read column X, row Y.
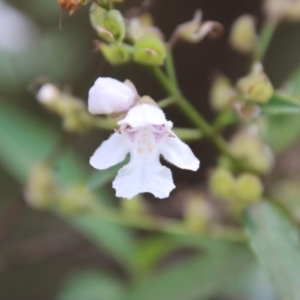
column 142, row 176
column 144, row 115
column 110, row 152
column 178, row 153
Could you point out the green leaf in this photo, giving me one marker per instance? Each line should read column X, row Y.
column 195, row 278
column 116, row 240
column 91, row 285
column 281, row 105
column 99, row 178
column 282, row 131
column 276, row 243
column 25, row 141
column 292, row 85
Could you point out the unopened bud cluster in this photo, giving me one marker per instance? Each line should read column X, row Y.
column 248, row 146
column 279, row 10
column 239, row 191
column 146, row 45
column 250, row 92
column 243, row 35
column 198, row 213
column 44, row 192
column 72, row 110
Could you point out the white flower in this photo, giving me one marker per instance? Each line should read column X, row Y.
column 145, row 134
column 109, row 95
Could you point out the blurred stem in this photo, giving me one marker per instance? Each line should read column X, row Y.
column 285, row 98
column 170, row 68
column 104, row 124
column 187, row 134
column 196, row 118
column 265, row 38
column 166, row 102
column 224, row 118
column 147, row 222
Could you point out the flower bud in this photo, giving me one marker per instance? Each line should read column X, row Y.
column 256, row 86
column 221, row 93
column 222, row 184
column 48, row 94
column 278, row 10
column 74, row 200
column 248, row 188
column 248, row 146
column 116, row 54
column 194, row 31
column 141, row 26
column 70, row 5
column 293, row 14
column 134, row 207
column 109, row 95
column 42, row 190
column 243, row 34
column 109, row 25
column 107, row 4
column 150, row 50
column 198, row 213
column 247, row 111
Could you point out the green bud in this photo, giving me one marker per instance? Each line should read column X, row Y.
column 249, row 147
column 107, row 4
column 247, row 111
column 221, row 93
column 243, row 34
column 135, row 206
column 109, row 25
column 42, row 189
column 256, row 86
column 222, row 184
column 75, row 200
column 248, row 188
column 141, row 26
column 117, row 54
column 197, row 213
column 150, row 50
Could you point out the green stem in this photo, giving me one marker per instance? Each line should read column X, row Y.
column 170, row 226
column 170, row 68
column 266, row 35
column 198, row 120
column 166, row 102
column 104, row 124
column 187, row 134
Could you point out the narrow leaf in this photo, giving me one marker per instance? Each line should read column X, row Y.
column 91, row 285
column 195, row 278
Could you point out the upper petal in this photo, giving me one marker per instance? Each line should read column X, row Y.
column 178, row 153
column 144, row 115
column 110, row 152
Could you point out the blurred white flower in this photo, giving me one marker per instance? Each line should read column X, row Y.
column 145, row 134
column 17, row 32
column 48, row 93
column 109, row 95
